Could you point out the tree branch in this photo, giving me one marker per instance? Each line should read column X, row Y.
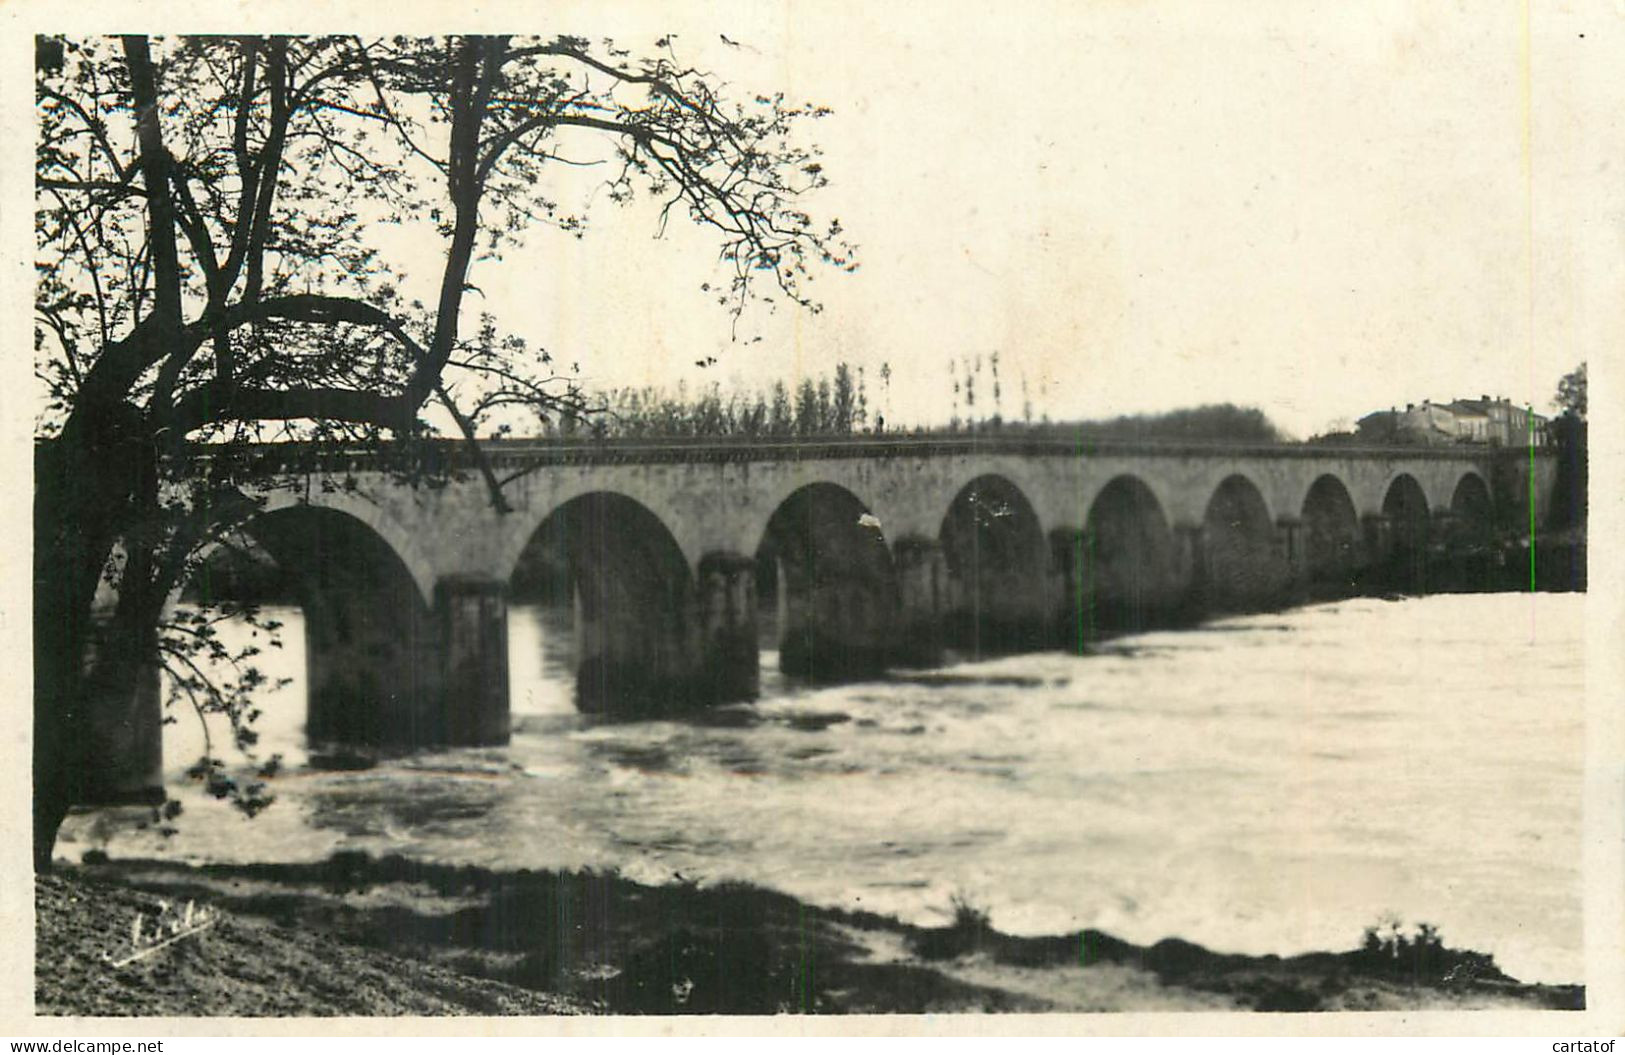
column 214, row 402
column 98, row 131
column 269, row 167
column 160, row 211
column 465, row 425
column 478, row 67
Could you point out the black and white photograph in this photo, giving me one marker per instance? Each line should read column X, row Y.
column 817, row 509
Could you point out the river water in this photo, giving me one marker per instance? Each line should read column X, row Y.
column 1269, row 783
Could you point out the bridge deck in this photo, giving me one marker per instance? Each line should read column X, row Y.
column 521, row 453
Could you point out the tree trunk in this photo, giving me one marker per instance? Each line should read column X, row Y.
column 84, row 482
column 66, row 570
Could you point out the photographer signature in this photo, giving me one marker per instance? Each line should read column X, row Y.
column 149, row 933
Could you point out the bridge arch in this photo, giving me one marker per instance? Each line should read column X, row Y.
column 372, row 675
column 1331, row 532
column 1471, row 498
column 825, row 572
column 1242, row 565
column 540, row 496
column 1045, row 494
column 1405, row 506
column 620, row 571
column 232, row 568
column 376, row 515
column 1128, row 577
column 1469, row 525
column 998, row 566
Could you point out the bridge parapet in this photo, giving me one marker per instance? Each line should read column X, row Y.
column 427, row 459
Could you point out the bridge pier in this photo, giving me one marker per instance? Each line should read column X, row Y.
column 1446, row 538
column 1379, row 539
column 922, row 583
column 1292, row 539
column 1397, row 551
column 121, row 742
column 473, row 615
column 1074, row 610
column 834, row 630
column 373, row 672
column 631, row 658
column 729, row 662
column 1462, row 556
column 997, row 613
column 1190, row 561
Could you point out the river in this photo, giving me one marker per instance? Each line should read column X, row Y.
column 1269, row 783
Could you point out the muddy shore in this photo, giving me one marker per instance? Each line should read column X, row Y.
column 355, row 935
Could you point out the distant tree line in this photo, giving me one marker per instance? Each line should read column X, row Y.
column 840, row 404
column 835, row 405
column 1212, row 421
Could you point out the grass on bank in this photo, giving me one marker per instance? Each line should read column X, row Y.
column 354, row 935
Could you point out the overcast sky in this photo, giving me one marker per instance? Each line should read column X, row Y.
column 1316, row 208
column 1319, row 209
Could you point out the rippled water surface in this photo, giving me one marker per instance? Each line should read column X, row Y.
column 1273, row 783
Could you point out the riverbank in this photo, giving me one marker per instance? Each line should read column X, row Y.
column 355, row 935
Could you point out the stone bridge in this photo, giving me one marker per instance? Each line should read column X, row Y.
column 681, row 560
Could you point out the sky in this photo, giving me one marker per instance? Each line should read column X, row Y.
column 1319, row 209
column 1313, row 208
